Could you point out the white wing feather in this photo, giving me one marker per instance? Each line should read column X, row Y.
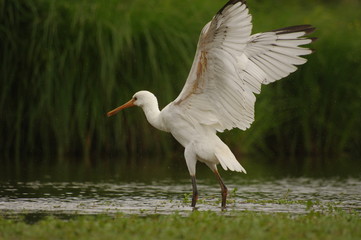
column 230, row 66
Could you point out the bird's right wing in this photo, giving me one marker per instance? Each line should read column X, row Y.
column 277, row 52
column 231, row 65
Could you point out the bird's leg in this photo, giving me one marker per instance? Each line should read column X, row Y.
column 224, row 190
column 191, row 160
column 195, row 191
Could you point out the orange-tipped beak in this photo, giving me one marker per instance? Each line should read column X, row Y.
column 126, row 105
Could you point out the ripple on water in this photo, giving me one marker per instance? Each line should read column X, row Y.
column 294, row 195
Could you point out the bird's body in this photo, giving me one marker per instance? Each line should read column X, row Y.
column 229, row 67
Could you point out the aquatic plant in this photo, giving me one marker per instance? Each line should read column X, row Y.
column 65, row 63
column 197, row 225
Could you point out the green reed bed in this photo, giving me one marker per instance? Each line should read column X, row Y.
column 198, row 225
column 65, row 63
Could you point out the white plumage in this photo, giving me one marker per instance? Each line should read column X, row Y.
column 229, row 67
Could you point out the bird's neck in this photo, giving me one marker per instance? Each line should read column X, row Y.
column 152, row 113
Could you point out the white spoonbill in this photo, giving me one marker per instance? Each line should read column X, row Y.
column 229, row 67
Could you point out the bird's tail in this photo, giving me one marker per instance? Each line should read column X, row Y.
column 228, row 160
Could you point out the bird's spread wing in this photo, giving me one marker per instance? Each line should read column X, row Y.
column 230, row 66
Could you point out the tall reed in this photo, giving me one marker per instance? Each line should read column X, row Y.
column 65, row 63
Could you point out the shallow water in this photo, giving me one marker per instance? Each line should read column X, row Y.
column 73, row 190
column 166, row 197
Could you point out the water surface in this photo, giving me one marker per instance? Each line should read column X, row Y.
column 131, row 188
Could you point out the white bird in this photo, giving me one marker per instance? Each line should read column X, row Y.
column 229, row 67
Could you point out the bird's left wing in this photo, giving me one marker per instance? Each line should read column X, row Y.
column 229, row 67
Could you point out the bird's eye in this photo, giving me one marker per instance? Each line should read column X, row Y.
column 135, row 98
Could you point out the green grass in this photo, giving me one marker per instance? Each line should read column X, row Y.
column 65, row 63
column 197, row 225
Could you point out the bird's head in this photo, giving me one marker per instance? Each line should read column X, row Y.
column 139, row 99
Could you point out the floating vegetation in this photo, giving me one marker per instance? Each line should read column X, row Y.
column 196, row 225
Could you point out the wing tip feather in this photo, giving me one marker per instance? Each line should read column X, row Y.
column 313, row 39
column 306, row 28
column 231, row 2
